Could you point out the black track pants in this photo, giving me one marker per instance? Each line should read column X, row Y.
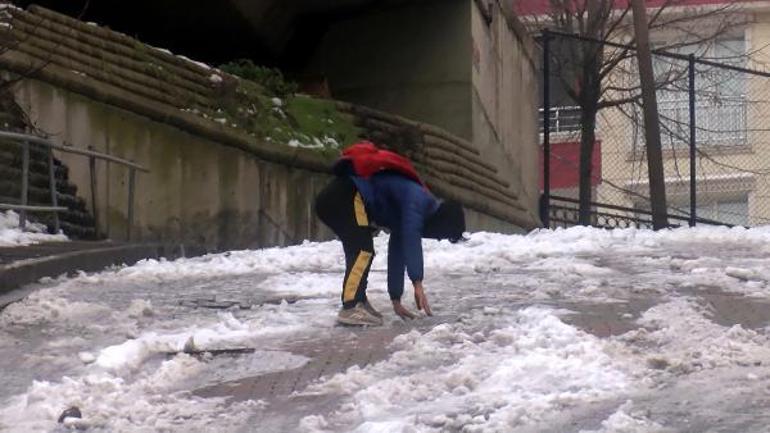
column 341, row 207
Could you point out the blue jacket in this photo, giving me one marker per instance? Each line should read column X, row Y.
column 401, row 205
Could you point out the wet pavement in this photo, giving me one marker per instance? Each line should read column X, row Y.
column 610, row 298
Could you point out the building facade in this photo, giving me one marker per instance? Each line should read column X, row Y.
column 731, row 111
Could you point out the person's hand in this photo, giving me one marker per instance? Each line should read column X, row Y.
column 402, row 312
column 420, row 298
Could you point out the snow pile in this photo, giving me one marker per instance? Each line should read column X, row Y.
column 497, row 364
column 465, row 376
column 308, row 257
column 50, row 306
column 750, row 278
column 227, row 333
column 11, row 234
column 624, row 420
column 118, row 387
column 115, row 403
column 545, row 250
column 317, row 143
column 679, row 338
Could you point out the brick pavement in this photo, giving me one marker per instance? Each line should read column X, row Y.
column 346, row 347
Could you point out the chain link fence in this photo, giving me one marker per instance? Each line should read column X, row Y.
column 714, row 116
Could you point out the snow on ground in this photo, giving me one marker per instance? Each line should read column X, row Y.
column 11, row 234
column 455, row 377
column 624, row 422
column 500, row 355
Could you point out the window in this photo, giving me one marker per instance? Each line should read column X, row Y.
column 720, row 102
column 735, row 212
column 561, row 119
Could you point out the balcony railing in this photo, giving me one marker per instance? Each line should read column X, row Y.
column 720, row 123
column 561, row 119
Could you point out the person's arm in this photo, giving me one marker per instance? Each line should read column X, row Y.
column 412, row 220
column 396, row 268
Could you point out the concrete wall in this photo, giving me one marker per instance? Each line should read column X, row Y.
column 446, row 65
column 504, row 92
column 411, row 59
column 214, row 186
column 208, row 197
column 198, row 193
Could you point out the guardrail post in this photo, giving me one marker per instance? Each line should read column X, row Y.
column 92, row 169
column 545, row 199
column 693, row 185
column 24, row 183
column 52, row 187
column 131, row 182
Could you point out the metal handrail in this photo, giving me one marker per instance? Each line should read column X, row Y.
column 24, row 140
column 69, row 149
column 5, row 206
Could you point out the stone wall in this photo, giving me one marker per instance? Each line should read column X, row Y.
column 452, row 167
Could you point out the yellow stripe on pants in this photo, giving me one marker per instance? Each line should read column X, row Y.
column 355, row 276
column 358, row 204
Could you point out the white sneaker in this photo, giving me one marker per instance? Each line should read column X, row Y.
column 358, row 316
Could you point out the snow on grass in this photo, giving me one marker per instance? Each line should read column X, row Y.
column 468, row 376
column 11, row 235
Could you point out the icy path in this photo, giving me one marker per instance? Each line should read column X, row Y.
column 573, row 330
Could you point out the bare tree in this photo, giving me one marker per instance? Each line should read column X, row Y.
column 595, row 68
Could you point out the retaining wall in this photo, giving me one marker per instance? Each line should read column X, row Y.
column 211, row 186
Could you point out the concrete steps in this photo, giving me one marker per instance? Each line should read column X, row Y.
column 77, row 222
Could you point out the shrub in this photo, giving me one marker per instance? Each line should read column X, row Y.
column 270, row 78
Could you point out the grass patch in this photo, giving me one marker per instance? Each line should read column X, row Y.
column 281, row 118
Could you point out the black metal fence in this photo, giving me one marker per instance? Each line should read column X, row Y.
column 714, row 111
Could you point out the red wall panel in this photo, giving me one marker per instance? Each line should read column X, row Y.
column 565, row 163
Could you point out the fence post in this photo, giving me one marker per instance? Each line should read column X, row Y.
column 693, row 198
column 92, row 170
column 545, row 206
column 52, row 187
column 24, row 183
column 131, row 182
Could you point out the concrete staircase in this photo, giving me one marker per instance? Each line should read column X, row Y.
column 76, row 222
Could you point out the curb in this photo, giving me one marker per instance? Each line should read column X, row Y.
column 15, row 275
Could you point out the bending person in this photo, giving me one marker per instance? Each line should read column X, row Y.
column 375, row 188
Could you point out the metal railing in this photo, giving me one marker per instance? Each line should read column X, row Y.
column 25, row 140
column 564, row 213
column 561, row 119
column 722, row 123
